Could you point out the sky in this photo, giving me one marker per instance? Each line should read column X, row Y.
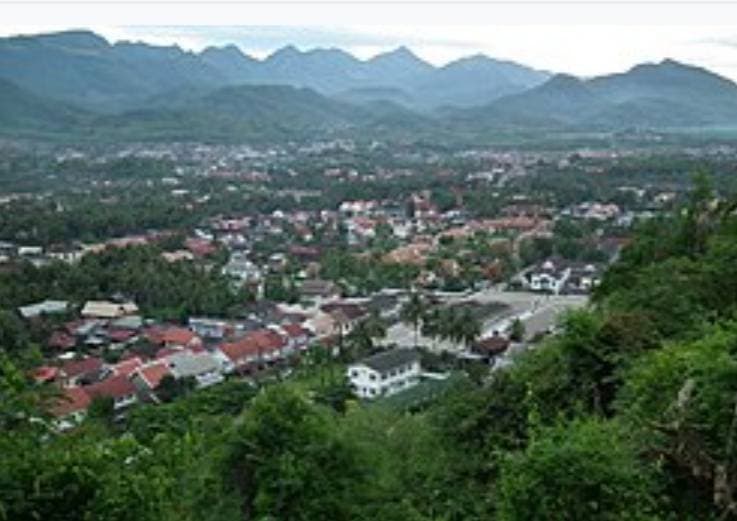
column 585, row 50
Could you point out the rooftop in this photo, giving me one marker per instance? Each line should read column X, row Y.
column 388, row 360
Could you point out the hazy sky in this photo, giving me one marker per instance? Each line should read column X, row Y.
column 583, row 50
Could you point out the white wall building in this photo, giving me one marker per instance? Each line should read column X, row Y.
column 549, row 277
column 384, row 374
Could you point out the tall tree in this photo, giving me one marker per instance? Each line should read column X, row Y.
column 413, row 311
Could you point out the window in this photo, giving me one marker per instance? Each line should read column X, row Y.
column 372, row 377
column 354, row 374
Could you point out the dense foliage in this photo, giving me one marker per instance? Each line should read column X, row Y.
column 169, row 290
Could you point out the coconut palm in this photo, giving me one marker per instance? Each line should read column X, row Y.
column 433, row 324
column 466, row 328
column 360, row 341
column 413, row 311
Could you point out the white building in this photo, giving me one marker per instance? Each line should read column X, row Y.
column 47, row 307
column 242, row 270
column 549, row 277
column 384, row 374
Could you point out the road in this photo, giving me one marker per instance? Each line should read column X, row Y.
column 538, row 312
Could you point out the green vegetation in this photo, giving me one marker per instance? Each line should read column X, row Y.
column 161, row 289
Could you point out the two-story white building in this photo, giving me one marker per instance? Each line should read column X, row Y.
column 549, row 277
column 385, row 373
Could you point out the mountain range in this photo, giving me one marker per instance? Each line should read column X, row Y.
column 83, row 68
column 77, row 84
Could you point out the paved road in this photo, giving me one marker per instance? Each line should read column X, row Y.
column 537, row 312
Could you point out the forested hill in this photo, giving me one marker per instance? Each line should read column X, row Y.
column 77, row 87
column 627, row 414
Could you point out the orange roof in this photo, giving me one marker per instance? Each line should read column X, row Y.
column 73, row 400
column 81, row 367
column 173, row 335
column 294, row 330
column 255, row 343
column 178, row 335
column 45, row 373
column 240, row 349
column 126, row 367
column 115, row 387
column 267, row 340
column 153, row 374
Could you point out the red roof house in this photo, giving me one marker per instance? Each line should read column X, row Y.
column 127, row 367
column 172, row 336
column 74, row 400
column 153, row 373
column 45, row 373
column 74, row 370
column 117, row 387
column 61, row 340
column 200, row 247
column 120, row 335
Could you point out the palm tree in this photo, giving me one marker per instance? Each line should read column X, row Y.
column 433, row 324
column 361, row 339
column 413, row 311
column 467, row 328
column 457, row 326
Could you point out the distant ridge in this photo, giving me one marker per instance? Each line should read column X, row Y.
column 665, row 94
column 83, row 68
column 76, row 85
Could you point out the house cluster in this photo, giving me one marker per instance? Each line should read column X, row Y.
column 71, row 253
column 106, row 349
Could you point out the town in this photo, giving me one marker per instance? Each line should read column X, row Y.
column 368, row 261
column 449, row 261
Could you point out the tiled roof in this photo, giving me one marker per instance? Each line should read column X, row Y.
column 153, row 373
column 266, row 339
column 294, row 330
column 80, row 367
column 115, row 387
column 351, row 311
column 255, row 343
column 243, row 348
column 45, row 373
column 72, row 400
column 120, row 335
column 171, row 335
column 388, row 360
column 61, row 340
column 492, row 345
column 127, row 367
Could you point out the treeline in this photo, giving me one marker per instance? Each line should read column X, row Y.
column 169, row 290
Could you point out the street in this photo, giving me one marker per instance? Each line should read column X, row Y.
column 538, row 313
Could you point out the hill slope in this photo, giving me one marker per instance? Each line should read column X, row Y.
column 83, row 68
column 666, row 94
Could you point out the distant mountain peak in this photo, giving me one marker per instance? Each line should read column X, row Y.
column 79, row 38
column 564, row 80
column 288, row 51
column 230, row 51
column 400, row 54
